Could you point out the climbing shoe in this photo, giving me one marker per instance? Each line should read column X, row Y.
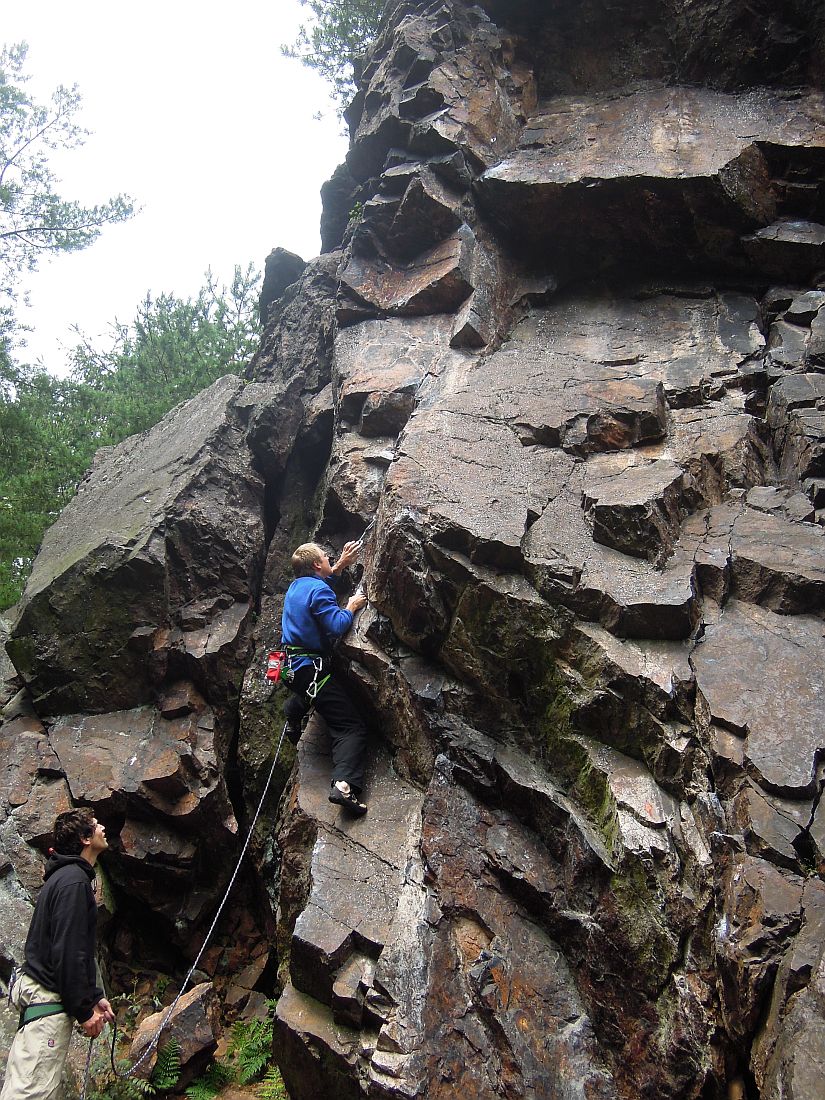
column 342, row 795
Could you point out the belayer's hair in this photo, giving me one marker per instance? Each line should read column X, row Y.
column 71, row 829
column 305, row 558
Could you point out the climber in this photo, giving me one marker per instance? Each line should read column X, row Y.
column 58, row 982
column 312, row 621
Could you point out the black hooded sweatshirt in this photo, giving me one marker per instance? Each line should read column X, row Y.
column 60, row 946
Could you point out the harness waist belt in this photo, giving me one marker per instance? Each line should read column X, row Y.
column 38, row 1011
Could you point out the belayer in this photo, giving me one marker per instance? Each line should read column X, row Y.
column 58, row 982
column 311, row 623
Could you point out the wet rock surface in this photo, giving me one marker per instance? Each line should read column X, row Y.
column 561, row 363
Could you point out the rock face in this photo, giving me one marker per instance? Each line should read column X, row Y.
column 131, row 641
column 562, row 361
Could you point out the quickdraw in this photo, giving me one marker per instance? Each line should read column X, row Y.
column 315, row 684
column 287, row 673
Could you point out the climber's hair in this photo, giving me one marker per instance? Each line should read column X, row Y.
column 305, row 558
column 72, row 828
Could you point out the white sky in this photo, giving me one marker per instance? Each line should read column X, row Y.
column 193, row 112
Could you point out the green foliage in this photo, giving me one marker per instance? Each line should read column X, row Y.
column 272, row 1086
column 34, row 219
column 39, row 458
column 106, row 1085
column 250, row 1048
column 44, row 450
column 167, row 1067
column 110, row 1087
column 210, row 1084
column 50, row 428
column 161, row 985
column 338, row 33
column 173, row 349
column 248, row 1055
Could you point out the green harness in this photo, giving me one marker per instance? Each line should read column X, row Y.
column 317, row 663
column 38, row 1011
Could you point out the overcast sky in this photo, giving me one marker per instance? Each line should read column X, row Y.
column 193, row 112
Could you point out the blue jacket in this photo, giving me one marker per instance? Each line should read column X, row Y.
column 312, row 618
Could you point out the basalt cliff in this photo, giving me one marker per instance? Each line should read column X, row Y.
column 562, row 358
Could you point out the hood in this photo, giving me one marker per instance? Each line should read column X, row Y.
column 56, row 861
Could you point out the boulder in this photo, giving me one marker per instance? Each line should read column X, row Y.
column 193, row 1023
column 435, row 281
column 636, row 509
column 788, row 1042
column 136, row 526
column 788, row 249
column 796, row 414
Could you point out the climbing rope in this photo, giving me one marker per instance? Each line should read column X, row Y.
column 156, row 1037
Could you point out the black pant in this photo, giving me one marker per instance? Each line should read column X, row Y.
column 346, row 728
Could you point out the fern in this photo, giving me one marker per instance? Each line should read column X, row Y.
column 272, row 1087
column 164, row 1077
column 210, row 1083
column 135, row 1087
column 167, row 1067
column 248, row 1054
column 120, row 1088
column 200, row 1089
column 250, row 1047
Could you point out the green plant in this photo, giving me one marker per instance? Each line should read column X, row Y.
column 106, row 1085
column 250, row 1048
column 272, row 1086
column 357, row 211
column 211, row 1082
column 167, row 1067
column 161, row 985
column 336, row 35
column 110, row 1087
column 249, row 1053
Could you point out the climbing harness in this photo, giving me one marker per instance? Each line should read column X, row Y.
column 279, row 668
column 156, row 1037
column 288, row 673
column 37, row 1011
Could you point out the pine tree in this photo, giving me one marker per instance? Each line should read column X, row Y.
column 35, row 221
column 332, row 41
